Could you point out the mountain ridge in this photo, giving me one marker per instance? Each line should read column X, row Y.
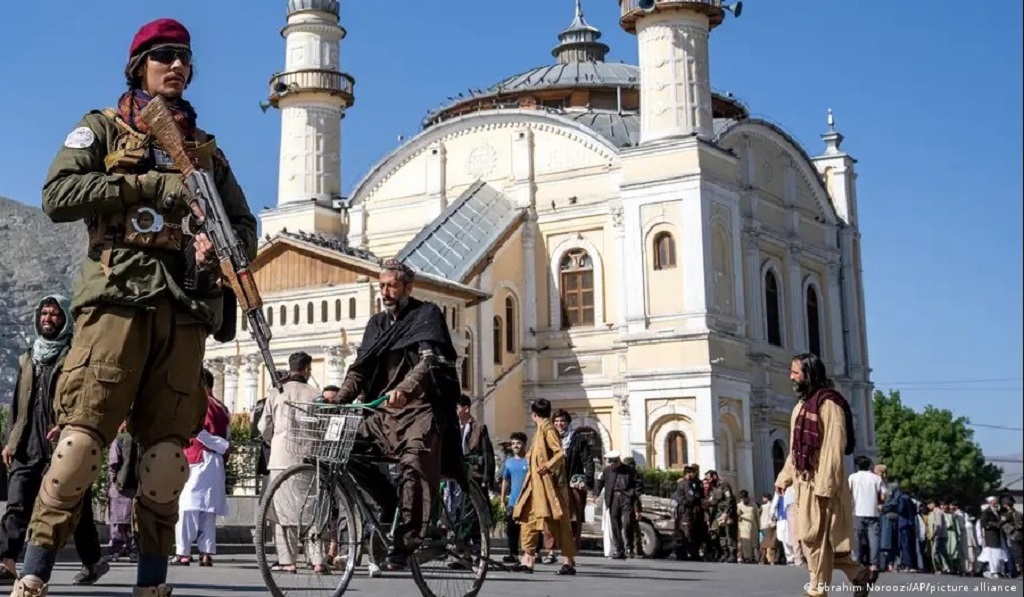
column 38, row 258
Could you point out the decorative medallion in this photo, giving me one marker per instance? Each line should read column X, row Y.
column 481, row 161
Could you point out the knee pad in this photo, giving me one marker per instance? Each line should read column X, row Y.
column 73, row 468
column 163, row 471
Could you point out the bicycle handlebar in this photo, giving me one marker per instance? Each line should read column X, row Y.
column 379, row 401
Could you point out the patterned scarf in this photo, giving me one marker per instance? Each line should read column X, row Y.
column 44, row 350
column 807, row 430
column 132, row 103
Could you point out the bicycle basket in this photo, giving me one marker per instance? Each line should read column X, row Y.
column 323, row 432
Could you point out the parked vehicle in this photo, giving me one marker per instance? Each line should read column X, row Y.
column 657, row 525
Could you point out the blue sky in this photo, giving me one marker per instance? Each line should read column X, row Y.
column 927, row 93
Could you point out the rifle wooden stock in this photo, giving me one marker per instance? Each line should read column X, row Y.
column 243, row 285
column 157, row 114
column 212, row 220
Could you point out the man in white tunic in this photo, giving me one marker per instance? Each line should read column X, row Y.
column 204, row 496
column 292, row 504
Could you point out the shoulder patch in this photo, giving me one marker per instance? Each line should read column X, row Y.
column 80, row 138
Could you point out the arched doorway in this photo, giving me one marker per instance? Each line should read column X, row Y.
column 778, row 458
column 595, row 443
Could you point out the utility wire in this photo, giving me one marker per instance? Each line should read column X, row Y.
column 995, row 427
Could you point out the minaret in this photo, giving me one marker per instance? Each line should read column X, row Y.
column 579, row 41
column 312, row 94
column 675, row 85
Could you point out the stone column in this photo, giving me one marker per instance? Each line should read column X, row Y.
column 230, row 376
column 251, row 370
column 796, row 300
column 619, row 232
column 745, row 464
column 621, row 393
column 835, row 319
column 707, row 425
column 529, row 325
column 334, row 359
column 216, row 367
column 752, row 244
column 761, row 414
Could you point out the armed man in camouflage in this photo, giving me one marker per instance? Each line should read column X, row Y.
column 725, row 518
column 144, row 304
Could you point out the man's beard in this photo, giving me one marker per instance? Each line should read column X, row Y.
column 49, row 332
column 801, row 388
column 398, row 305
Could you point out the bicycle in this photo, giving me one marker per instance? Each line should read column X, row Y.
column 342, row 516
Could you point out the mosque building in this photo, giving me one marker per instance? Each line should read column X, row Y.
column 618, row 239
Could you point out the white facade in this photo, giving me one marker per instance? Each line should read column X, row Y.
column 765, row 264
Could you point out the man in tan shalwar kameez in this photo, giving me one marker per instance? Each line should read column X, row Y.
column 543, row 503
column 822, row 435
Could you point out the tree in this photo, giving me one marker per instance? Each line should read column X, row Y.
column 932, row 450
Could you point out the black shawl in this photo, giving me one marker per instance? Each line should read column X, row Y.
column 418, row 323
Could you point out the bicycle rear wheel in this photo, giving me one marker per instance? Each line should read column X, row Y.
column 454, row 557
column 301, row 515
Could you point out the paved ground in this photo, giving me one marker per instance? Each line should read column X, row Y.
column 237, row 576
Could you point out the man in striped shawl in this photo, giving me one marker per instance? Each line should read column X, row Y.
column 822, row 436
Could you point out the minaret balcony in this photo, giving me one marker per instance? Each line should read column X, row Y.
column 631, row 11
column 330, row 82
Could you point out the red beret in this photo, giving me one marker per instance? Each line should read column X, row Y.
column 160, row 31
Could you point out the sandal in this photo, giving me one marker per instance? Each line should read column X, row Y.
column 566, row 570
column 205, row 560
column 281, row 568
column 180, row 561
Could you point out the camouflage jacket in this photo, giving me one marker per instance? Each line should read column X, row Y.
column 80, row 186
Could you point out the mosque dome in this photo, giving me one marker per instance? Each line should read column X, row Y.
column 331, row 6
column 581, row 85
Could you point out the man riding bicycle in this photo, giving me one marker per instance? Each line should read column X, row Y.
column 407, row 355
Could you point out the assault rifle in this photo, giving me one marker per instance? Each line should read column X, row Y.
column 208, row 217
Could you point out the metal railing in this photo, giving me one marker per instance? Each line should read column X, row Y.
column 313, row 79
column 628, row 6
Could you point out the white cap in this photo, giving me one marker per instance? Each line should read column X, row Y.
column 613, row 455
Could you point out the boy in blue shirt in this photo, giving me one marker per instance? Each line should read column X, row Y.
column 513, row 476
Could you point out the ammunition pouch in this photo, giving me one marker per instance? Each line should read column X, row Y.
column 229, row 316
column 145, row 225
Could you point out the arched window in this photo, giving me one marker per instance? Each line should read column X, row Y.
column 352, row 308
column 773, row 308
column 664, row 251
column 467, row 364
column 270, row 316
column 337, row 310
column 676, row 455
column 576, row 271
column 295, row 315
column 778, row 457
column 309, row 312
column 323, row 311
column 511, row 324
column 813, row 323
column 496, row 330
column 455, row 318
column 282, row 314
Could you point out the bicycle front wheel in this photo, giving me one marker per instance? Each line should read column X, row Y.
column 305, row 534
column 454, row 557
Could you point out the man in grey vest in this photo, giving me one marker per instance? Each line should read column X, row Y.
column 26, row 453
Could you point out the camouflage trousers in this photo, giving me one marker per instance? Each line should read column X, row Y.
column 143, row 367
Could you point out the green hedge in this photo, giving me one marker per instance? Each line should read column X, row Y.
column 658, row 482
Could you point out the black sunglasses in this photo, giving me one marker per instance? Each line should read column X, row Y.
column 169, row 55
